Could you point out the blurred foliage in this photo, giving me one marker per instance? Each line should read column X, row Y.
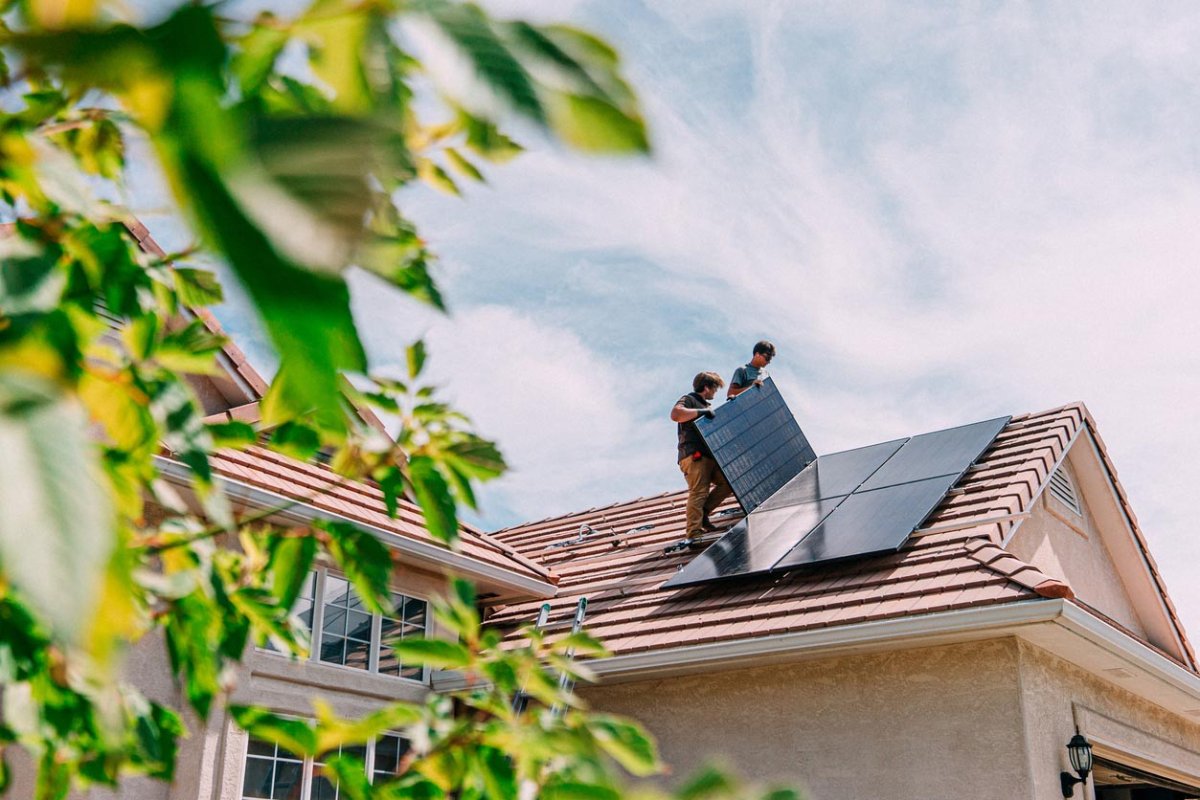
column 286, row 144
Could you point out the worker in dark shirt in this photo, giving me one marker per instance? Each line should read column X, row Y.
column 755, row 372
column 707, row 487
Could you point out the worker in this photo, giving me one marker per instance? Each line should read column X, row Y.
column 753, row 373
column 707, row 487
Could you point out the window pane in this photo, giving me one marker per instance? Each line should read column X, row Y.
column 303, row 609
column 410, row 609
column 322, row 789
column 389, row 750
column 257, row 780
column 270, row 772
column 346, row 632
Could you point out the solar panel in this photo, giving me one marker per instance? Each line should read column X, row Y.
column 852, row 503
column 755, row 544
column 945, row 452
column 833, row 475
column 868, row 522
column 757, row 443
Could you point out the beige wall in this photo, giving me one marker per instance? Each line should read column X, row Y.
column 1059, row 696
column 920, row 724
column 1068, row 546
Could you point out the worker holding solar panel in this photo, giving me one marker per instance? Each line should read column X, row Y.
column 754, row 372
column 707, row 487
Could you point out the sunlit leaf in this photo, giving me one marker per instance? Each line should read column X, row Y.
column 366, row 562
column 50, row 483
column 291, row 558
column 197, row 288
column 467, row 34
column 292, row 735
column 435, row 653
column 463, row 166
column 595, row 124
column 625, row 741
column 433, row 495
column 415, row 356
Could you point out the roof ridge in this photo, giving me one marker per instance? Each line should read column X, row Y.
column 1020, row 572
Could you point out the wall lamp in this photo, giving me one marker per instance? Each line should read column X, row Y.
column 1080, row 751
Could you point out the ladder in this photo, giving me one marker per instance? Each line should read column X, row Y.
column 565, row 682
column 521, row 699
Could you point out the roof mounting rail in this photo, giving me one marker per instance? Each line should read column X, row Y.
column 585, row 532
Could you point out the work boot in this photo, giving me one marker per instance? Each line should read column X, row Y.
column 707, row 524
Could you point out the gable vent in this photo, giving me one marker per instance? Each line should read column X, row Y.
column 1064, row 490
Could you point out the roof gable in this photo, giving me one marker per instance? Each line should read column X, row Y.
column 1101, row 551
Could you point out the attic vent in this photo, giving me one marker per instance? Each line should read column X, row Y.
column 1064, row 490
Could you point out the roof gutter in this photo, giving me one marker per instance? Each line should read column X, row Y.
column 426, row 553
column 925, row 630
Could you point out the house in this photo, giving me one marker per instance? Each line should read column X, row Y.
column 1024, row 609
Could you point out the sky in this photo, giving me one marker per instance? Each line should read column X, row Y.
column 940, row 213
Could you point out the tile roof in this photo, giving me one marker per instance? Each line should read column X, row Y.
column 320, row 487
column 955, row 561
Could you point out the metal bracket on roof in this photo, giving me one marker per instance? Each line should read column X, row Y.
column 585, row 532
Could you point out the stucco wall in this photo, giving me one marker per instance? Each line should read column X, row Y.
column 921, row 724
column 1059, row 696
column 1065, row 545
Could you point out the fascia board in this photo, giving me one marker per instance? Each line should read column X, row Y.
column 424, row 553
column 1130, row 650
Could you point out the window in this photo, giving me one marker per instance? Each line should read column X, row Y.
column 346, row 627
column 271, row 772
column 345, row 633
column 276, row 774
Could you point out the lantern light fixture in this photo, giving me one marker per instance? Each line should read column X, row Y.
column 1079, row 750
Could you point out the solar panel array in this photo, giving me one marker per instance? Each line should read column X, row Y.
column 853, row 503
column 757, row 442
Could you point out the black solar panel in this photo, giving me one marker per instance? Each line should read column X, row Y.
column 757, row 443
column 852, row 503
column 868, row 522
column 946, row 452
column 833, row 475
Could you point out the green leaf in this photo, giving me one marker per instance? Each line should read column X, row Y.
column 197, row 288
column 291, row 559
column 338, row 43
column 476, row 458
column 496, row 769
column 463, row 166
column 486, row 140
column 293, row 735
column 296, row 440
column 708, row 782
column 437, row 177
column 435, row 653
column 51, row 484
column 415, row 355
column 367, row 563
column 232, row 434
column 434, row 498
column 257, row 52
column 577, row 790
column 496, row 72
column 334, row 732
column 595, row 124
column 307, row 314
column 349, row 774
column 633, row 748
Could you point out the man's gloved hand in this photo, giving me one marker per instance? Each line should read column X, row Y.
column 705, row 412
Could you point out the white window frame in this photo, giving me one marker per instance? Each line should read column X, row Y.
column 318, row 624
column 308, row 763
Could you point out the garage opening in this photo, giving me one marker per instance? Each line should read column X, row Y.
column 1115, row 781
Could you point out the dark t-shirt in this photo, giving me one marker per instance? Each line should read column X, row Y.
column 690, row 440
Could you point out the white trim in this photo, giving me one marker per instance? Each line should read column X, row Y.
column 923, row 629
column 1125, row 647
column 427, row 553
column 1159, row 589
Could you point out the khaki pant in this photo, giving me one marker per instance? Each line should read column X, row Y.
column 700, row 474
